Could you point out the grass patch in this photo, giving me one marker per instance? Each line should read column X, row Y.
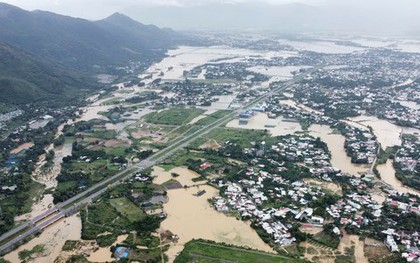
column 128, row 209
column 213, row 117
column 106, row 240
column 175, row 116
column 242, row 136
column 70, row 245
column 204, row 251
column 35, row 193
column 327, row 240
column 116, row 151
column 25, row 255
column 389, row 152
column 167, row 167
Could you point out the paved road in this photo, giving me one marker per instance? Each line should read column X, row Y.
column 18, row 234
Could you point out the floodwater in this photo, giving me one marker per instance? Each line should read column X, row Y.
column 300, row 106
column 42, row 205
column 92, row 112
column 223, row 103
column 409, row 104
column 53, row 239
column 335, row 143
column 186, row 58
column 387, row 173
column 260, row 121
column 388, row 134
column 103, row 254
column 192, row 217
column 282, row 73
column 321, row 46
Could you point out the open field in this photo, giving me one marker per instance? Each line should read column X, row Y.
column 175, row 116
column 127, row 208
column 203, row 251
column 241, row 136
column 213, row 117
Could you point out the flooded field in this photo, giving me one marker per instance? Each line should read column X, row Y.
column 186, row 58
column 260, row 121
column 281, row 73
column 92, row 112
column 192, row 217
column 335, row 143
column 388, row 134
column 328, row 47
column 53, row 239
column 297, row 105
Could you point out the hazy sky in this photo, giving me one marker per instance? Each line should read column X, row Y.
column 96, row 9
column 375, row 15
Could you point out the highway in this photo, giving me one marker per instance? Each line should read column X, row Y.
column 15, row 236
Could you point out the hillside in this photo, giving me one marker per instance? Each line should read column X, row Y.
column 79, row 43
column 25, row 78
column 48, row 57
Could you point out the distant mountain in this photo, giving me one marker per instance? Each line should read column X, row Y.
column 25, row 78
column 138, row 35
column 51, row 58
column 80, row 43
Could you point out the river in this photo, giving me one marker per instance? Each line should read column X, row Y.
column 335, row 143
column 387, row 173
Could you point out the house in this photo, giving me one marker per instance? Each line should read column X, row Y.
column 391, row 244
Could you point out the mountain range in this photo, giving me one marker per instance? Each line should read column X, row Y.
column 46, row 56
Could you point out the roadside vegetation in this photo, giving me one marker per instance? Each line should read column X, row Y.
column 202, row 251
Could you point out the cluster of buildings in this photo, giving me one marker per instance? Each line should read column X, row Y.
column 248, row 197
column 313, row 153
column 190, row 93
column 360, row 145
column 9, row 116
column 396, row 239
column 359, row 86
column 408, row 155
column 260, row 185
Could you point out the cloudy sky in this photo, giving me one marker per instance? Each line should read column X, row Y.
column 96, row 9
column 322, row 15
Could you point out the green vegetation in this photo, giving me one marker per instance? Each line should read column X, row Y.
column 118, row 212
column 26, row 255
column 70, row 245
column 206, row 251
column 175, row 116
column 213, row 117
column 167, row 167
column 106, row 240
column 25, row 79
column 4, row 108
column 389, row 153
column 127, row 208
column 327, row 238
column 77, row 259
column 241, row 136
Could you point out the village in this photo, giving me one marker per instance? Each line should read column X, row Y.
column 266, row 165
